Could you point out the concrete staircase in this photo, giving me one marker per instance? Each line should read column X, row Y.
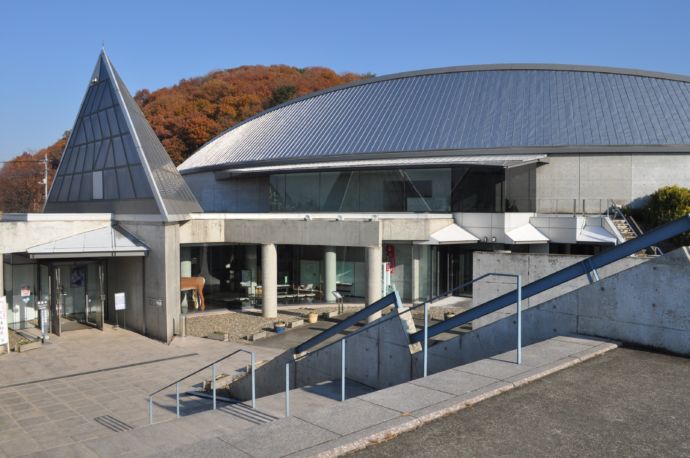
column 624, row 227
column 320, row 424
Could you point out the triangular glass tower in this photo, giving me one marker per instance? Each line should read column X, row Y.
column 113, row 161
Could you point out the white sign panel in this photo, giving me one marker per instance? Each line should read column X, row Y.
column 120, row 301
column 4, row 335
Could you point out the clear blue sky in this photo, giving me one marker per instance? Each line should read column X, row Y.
column 48, row 48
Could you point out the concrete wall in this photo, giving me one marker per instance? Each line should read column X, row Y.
column 248, row 194
column 378, row 357
column 17, row 236
column 595, row 178
column 126, row 275
column 532, row 266
column 281, row 231
column 646, row 304
column 161, row 276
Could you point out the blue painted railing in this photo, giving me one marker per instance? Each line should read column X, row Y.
column 390, row 299
column 584, row 267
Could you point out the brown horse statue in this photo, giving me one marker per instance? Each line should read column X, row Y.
column 194, row 284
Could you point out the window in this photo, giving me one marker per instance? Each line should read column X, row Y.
column 97, row 181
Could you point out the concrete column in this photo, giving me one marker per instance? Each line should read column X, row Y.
column 185, row 261
column 269, row 280
column 415, row 272
column 373, row 257
column 329, row 260
column 252, row 262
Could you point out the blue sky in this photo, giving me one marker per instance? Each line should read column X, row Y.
column 48, row 48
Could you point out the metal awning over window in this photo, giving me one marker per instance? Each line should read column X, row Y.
column 450, row 235
column 440, row 161
column 98, row 243
column 526, row 234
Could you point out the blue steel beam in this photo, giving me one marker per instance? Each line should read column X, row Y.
column 652, row 237
column 377, row 306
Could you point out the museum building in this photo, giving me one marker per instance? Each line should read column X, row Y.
column 386, row 183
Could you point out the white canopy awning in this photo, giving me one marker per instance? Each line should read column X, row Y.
column 450, row 235
column 98, row 243
column 595, row 234
column 526, row 234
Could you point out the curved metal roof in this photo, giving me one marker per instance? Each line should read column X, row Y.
column 494, row 108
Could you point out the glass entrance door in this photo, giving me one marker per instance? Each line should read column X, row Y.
column 95, row 296
column 79, row 294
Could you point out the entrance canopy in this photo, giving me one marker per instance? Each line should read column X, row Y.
column 526, row 234
column 107, row 241
column 451, row 234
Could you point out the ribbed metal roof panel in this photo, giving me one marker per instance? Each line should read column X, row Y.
column 453, row 110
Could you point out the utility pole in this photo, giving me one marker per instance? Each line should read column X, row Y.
column 45, row 179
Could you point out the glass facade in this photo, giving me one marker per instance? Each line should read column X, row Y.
column 101, row 161
column 456, row 189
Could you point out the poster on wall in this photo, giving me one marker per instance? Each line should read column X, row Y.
column 4, row 334
column 77, row 277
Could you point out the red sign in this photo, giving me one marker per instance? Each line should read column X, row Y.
column 390, row 254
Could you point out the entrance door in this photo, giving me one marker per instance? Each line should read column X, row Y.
column 56, row 301
column 95, row 296
column 79, row 294
column 455, row 268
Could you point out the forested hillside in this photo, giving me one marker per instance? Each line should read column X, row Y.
column 184, row 117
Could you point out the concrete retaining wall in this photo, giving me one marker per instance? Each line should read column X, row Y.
column 532, row 266
column 646, row 304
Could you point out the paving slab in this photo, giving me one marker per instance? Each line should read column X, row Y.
column 454, row 382
column 406, row 397
column 209, row 448
column 349, row 416
column 279, row 438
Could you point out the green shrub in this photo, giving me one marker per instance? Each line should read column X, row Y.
column 667, row 204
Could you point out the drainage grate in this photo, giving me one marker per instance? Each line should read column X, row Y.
column 113, row 423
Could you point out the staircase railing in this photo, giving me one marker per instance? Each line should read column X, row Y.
column 653, row 250
column 212, row 365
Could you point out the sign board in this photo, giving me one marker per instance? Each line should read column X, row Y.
column 4, row 334
column 120, row 303
column 25, row 293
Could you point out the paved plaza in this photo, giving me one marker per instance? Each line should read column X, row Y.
column 89, row 385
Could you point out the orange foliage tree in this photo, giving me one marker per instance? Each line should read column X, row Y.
column 184, row 117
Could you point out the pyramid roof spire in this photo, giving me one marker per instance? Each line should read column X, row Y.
column 113, row 161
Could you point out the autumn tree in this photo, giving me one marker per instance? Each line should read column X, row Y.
column 184, row 117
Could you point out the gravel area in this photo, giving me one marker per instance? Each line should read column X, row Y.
column 239, row 324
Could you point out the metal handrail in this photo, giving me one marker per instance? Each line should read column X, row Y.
column 212, row 365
